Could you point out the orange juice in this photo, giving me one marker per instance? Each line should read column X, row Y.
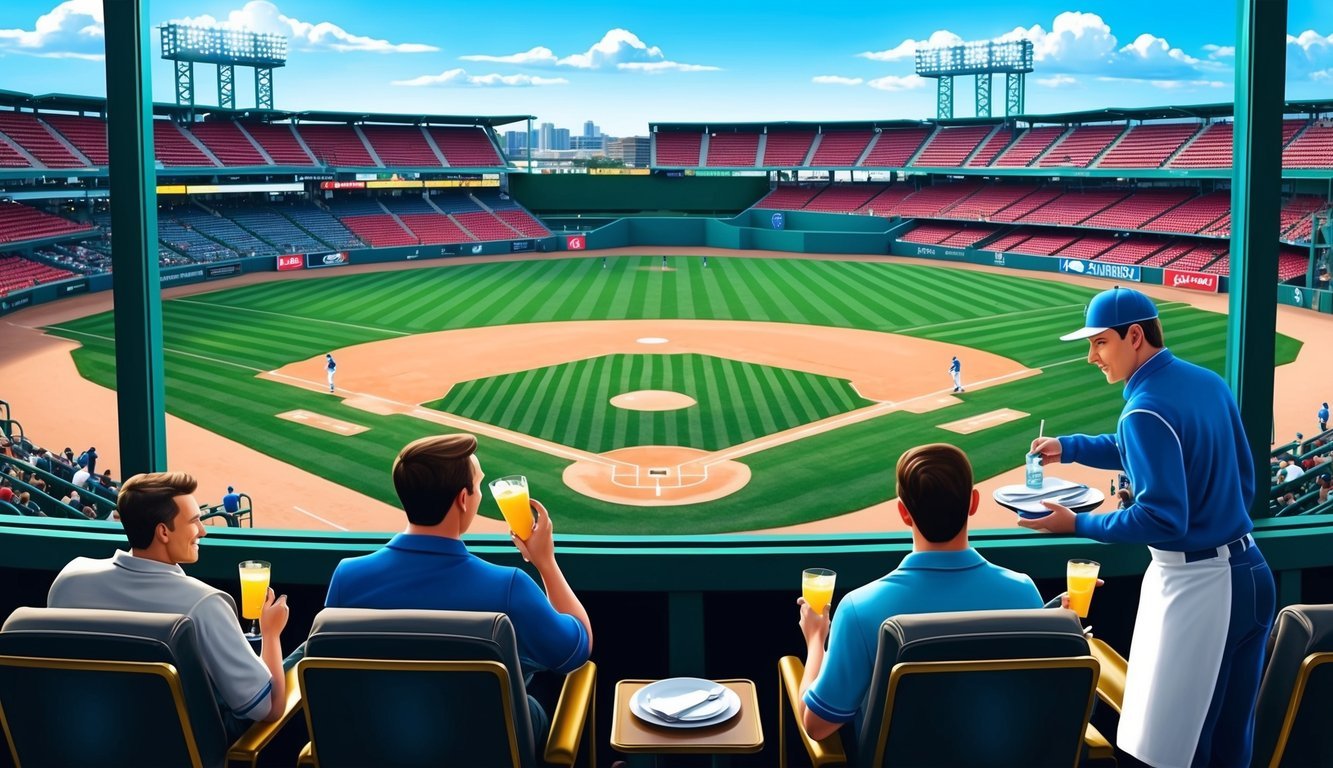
column 1082, row 579
column 254, row 588
column 817, row 588
column 511, row 494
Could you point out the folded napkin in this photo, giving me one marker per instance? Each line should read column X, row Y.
column 674, row 706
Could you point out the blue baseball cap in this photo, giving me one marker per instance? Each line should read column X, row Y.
column 1108, row 309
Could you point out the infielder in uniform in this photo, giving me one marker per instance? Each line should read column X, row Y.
column 331, row 367
column 956, row 371
column 1208, row 595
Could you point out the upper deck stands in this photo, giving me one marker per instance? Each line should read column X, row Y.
column 840, row 148
column 401, row 145
column 787, row 148
column 949, row 147
column 465, row 147
column 32, row 135
column 732, row 150
column 1077, row 149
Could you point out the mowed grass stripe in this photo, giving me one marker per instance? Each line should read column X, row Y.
column 851, row 471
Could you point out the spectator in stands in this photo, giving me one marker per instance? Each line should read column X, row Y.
column 5, row 449
column 943, row 573
column 1208, row 595
column 231, row 502
column 43, row 461
column 25, row 500
column 73, row 500
column 89, row 512
column 161, row 521
column 91, row 455
column 81, row 476
column 1322, row 415
column 6, row 491
column 105, row 482
column 1290, row 470
column 427, row 566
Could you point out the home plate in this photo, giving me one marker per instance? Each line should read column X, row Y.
column 320, row 421
column 984, row 421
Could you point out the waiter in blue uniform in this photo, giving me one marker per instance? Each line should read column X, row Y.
column 1208, row 595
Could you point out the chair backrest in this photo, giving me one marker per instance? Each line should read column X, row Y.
column 92, row 687
column 423, row 688
column 979, row 688
column 1297, row 690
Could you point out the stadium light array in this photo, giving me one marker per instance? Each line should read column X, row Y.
column 975, row 58
column 223, row 45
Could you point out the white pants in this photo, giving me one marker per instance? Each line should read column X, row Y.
column 957, row 379
column 330, row 378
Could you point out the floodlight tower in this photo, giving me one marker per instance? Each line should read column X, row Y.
column 186, row 44
column 1013, row 59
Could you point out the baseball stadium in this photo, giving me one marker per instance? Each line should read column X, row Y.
column 705, row 362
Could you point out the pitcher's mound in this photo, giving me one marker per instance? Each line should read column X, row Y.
column 652, row 400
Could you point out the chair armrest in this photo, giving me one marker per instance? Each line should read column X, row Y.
column 246, row 749
column 824, row 752
column 572, row 712
column 1111, row 683
column 1097, row 747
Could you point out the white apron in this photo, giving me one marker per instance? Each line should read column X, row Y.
column 1179, row 638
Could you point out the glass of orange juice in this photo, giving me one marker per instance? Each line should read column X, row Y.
column 1082, row 576
column 511, row 493
column 254, row 588
column 817, row 587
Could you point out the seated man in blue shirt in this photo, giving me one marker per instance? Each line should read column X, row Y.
column 427, row 566
column 942, row 573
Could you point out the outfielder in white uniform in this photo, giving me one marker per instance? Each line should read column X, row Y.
column 331, row 367
column 956, row 371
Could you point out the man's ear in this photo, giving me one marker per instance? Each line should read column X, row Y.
column 905, row 515
column 976, row 500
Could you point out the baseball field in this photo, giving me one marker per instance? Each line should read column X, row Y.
column 746, row 394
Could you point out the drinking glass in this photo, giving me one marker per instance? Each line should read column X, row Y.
column 254, row 588
column 511, row 493
column 817, row 587
column 1082, row 577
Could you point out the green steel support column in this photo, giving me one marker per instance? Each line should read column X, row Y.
column 1261, row 42
column 263, row 87
column 140, row 396
column 685, row 634
column 527, row 144
column 184, row 83
column 944, row 97
column 983, row 95
column 227, row 86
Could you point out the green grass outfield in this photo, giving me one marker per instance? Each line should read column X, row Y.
column 215, row 344
column 569, row 403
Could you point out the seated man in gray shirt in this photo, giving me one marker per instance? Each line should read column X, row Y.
column 161, row 520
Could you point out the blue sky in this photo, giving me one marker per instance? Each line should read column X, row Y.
column 625, row 64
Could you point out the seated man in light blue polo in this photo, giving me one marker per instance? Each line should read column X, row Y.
column 427, row 566
column 942, row 573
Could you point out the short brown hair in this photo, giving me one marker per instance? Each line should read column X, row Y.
column 1152, row 331
column 149, row 499
column 935, row 484
column 429, row 474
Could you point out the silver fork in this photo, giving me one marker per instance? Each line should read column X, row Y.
column 713, row 694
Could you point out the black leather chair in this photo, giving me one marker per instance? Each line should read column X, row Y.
column 430, row 688
column 977, row 688
column 114, row 688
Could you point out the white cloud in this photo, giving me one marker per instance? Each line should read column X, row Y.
column 1309, row 55
column 907, row 48
column 459, row 76
column 263, row 16
column 618, row 50
column 836, row 80
column 71, row 30
column 1220, row 51
column 533, row 56
column 1058, row 81
column 897, row 83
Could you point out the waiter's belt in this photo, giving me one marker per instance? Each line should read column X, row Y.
column 1224, row 552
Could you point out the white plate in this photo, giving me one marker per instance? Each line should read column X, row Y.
column 1079, row 500
column 719, row 710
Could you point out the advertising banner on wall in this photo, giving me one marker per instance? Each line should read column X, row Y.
column 576, row 243
column 1102, row 269
column 317, row 260
column 289, row 261
column 521, row 245
column 1195, row 281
